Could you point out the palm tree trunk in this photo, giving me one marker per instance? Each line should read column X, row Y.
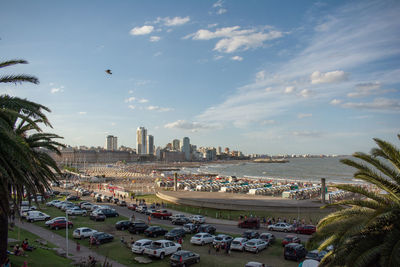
column 3, row 236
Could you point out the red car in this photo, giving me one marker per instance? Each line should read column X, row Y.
column 290, row 239
column 58, row 224
column 306, row 229
column 252, row 223
column 132, row 206
column 161, row 214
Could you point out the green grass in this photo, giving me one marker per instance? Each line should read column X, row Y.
column 234, row 214
column 35, row 258
column 117, row 251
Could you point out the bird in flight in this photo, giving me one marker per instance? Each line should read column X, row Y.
column 109, row 72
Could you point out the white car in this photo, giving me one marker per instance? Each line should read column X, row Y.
column 238, row 243
column 83, row 232
column 58, row 204
column 24, row 210
column 161, row 248
column 283, row 227
column 202, row 238
column 254, row 264
column 255, row 245
column 47, row 223
column 76, row 211
column 35, row 215
column 51, row 203
column 197, row 219
column 139, row 246
column 176, row 216
column 87, row 206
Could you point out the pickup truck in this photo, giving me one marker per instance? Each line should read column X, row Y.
column 161, row 248
column 161, row 214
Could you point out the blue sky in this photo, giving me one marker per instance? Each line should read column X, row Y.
column 256, row 76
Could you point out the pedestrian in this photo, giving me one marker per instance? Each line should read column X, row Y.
column 132, row 217
column 217, row 248
column 209, row 248
column 78, row 247
column 91, row 241
column 149, row 219
column 227, row 248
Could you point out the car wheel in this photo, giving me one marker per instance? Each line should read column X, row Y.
column 202, row 243
column 162, row 218
column 56, row 228
column 82, row 237
column 256, row 250
column 242, row 249
column 162, row 255
column 198, row 260
column 285, row 230
column 137, row 232
column 184, row 265
column 122, row 228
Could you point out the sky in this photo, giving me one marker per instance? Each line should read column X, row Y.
column 267, row 77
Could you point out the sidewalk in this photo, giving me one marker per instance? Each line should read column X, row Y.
column 60, row 242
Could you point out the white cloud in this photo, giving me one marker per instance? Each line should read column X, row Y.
column 305, row 93
column 289, row 89
column 221, row 11
column 51, row 84
column 185, row 125
column 157, row 54
column 131, row 107
column 217, row 57
column 57, row 90
column 176, row 21
column 82, row 112
column 366, row 89
column 304, row 115
column 234, row 38
column 130, row 99
column 113, row 124
column 159, row 109
column 146, row 29
column 218, row 4
column 212, row 25
column 382, row 104
column 130, row 91
column 328, row 77
column 155, row 38
column 143, row 100
column 335, row 102
column 307, row 134
column 265, row 122
column 237, row 58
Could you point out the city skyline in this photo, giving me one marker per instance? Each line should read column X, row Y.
column 272, row 77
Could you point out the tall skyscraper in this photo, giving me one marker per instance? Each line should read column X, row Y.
column 141, row 141
column 150, row 144
column 185, row 147
column 111, row 142
column 176, row 144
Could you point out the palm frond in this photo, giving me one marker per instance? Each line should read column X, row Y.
column 19, row 79
column 12, row 62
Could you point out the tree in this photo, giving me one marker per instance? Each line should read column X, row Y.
column 25, row 167
column 366, row 231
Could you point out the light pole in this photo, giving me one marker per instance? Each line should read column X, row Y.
column 66, row 230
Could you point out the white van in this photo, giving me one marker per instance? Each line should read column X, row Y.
column 35, row 215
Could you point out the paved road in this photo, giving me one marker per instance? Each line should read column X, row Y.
column 60, row 241
column 225, row 226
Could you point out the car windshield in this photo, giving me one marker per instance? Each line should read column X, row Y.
column 251, row 243
column 235, row 242
column 219, row 238
column 156, row 245
column 176, row 257
column 288, row 238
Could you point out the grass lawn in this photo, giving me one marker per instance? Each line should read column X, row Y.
column 117, row 251
column 35, row 258
column 234, row 214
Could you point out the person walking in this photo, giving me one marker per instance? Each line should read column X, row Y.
column 149, row 219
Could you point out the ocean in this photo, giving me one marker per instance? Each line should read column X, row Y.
column 302, row 169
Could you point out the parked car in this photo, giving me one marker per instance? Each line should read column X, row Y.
column 47, row 223
column 184, row 258
column 175, row 216
column 316, row 255
column 122, row 203
column 191, row 228
column 58, row 204
column 268, row 237
column 222, row 240
column 197, row 219
column 283, row 227
column 58, row 224
column 290, row 239
column 255, row 264
column 67, row 206
column 294, row 251
column 141, row 208
column 83, row 232
column 51, row 203
column 137, row 227
column 161, row 248
column 77, row 211
column 101, row 237
column 73, row 198
column 180, row 221
column 175, row 234
column 150, row 212
column 132, row 206
column 238, row 243
column 65, row 193
column 115, row 200
column 97, row 215
column 250, row 234
column 25, row 209
column 122, row 225
column 139, row 246
column 255, row 245
column 34, row 215
column 161, row 214
column 306, row 229
column 202, row 239
column 206, row 228
column 86, row 206
column 252, row 223
column 154, row 231
column 109, row 212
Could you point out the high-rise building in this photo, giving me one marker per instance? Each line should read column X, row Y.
column 175, row 144
column 141, row 141
column 219, row 151
column 111, row 142
column 185, row 147
column 150, row 144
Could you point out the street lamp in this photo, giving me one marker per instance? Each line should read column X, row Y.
column 66, row 230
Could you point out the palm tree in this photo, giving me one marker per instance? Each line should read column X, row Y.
column 366, row 231
column 24, row 164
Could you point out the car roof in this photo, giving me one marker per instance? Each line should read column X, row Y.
column 239, row 239
column 181, row 252
column 255, row 240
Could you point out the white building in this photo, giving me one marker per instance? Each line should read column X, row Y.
column 111, row 143
column 141, row 141
column 176, row 145
column 150, row 145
